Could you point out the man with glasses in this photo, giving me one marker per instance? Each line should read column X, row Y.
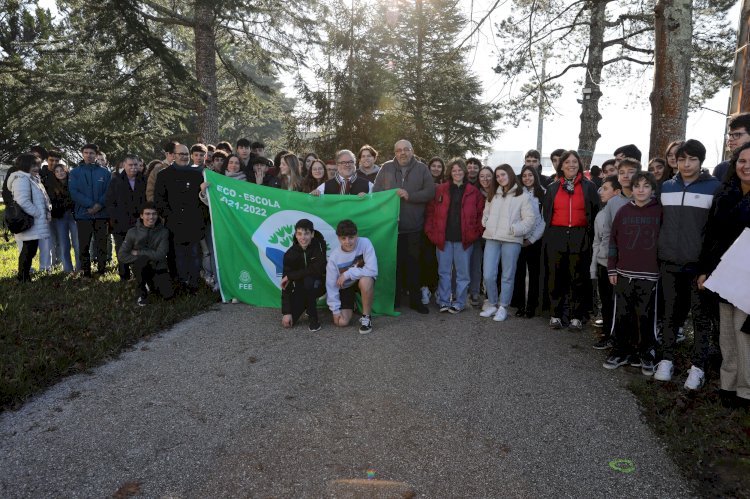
column 346, row 180
column 738, row 135
column 176, row 198
column 414, row 185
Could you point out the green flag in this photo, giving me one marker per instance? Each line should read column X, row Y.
column 253, row 226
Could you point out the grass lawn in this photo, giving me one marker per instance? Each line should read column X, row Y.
column 62, row 324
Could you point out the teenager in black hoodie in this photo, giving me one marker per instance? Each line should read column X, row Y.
column 303, row 280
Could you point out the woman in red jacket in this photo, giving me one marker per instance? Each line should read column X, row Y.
column 453, row 222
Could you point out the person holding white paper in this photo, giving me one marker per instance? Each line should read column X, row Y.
column 728, row 218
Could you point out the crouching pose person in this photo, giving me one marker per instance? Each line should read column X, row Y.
column 352, row 268
column 145, row 250
column 304, row 275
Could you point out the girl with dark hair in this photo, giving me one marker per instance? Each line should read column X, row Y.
column 569, row 209
column 485, row 181
column 662, row 172
column 234, row 168
column 307, row 163
column 728, row 218
column 66, row 230
column 452, row 224
column 316, row 175
column 289, row 173
column 531, row 250
column 437, row 169
column 29, row 194
column 508, row 218
column 671, row 157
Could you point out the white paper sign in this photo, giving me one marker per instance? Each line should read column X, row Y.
column 731, row 279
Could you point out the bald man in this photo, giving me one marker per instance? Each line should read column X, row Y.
column 414, row 185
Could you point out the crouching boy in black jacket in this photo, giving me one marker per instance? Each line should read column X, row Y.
column 303, row 280
column 145, row 249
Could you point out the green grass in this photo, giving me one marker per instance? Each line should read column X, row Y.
column 62, row 324
column 709, row 443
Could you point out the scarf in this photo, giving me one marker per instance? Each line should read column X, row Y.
column 345, row 184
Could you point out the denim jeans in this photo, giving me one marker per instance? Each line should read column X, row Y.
column 475, row 266
column 453, row 254
column 187, row 258
column 45, row 252
column 66, row 232
column 507, row 253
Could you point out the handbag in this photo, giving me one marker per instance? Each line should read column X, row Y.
column 16, row 219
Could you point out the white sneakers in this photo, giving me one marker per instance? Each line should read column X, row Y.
column 696, row 378
column 488, row 311
column 664, row 370
column 501, row 314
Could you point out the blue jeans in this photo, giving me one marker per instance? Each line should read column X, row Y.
column 453, row 253
column 66, row 232
column 187, row 257
column 45, row 252
column 507, row 253
column 475, row 267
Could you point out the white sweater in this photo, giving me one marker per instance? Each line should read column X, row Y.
column 509, row 218
column 356, row 264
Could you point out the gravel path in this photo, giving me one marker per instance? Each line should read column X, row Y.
column 228, row 404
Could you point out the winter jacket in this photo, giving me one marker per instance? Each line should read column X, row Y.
column 151, row 182
column 370, row 176
column 176, row 198
column 633, row 241
column 59, row 196
column 538, row 231
column 728, row 217
column 590, row 199
column 88, row 186
column 720, row 171
column 602, row 229
column 301, row 263
column 123, row 203
column 510, row 218
column 151, row 242
column 30, row 196
column 686, row 210
column 472, row 206
column 416, row 179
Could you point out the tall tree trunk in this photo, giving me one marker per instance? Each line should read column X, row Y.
column 207, row 104
column 590, row 116
column 672, row 55
column 421, row 143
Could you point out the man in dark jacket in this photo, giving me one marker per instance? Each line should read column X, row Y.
column 145, row 249
column 414, row 185
column 346, row 180
column 125, row 196
column 303, row 280
column 176, row 198
column 88, row 184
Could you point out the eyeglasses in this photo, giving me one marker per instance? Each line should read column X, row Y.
column 182, row 154
column 346, row 163
column 735, row 135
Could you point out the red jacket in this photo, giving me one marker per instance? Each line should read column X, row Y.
column 472, row 206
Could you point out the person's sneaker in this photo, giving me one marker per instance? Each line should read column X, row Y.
column 575, row 325
column 696, row 378
column 647, row 367
column 634, row 360
column 520, row 312
column 603, row 344
column 664, row 370
column 235, row 300
column 680, row 335
column 444, row 308
column 419, row 308
column 142, row 301
column 489, row 311
column 474, row 300
column 599, row 323
column 365, row 324
column 454, row 310
column 555, row 323
column 314, row 327
column 501, row 314
column 425, row 295
column 615, row 361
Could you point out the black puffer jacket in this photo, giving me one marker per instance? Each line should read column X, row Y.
column 301, row 263
column 59, row 196
column 123, row 203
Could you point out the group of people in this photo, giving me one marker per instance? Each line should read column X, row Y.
column 643, row 240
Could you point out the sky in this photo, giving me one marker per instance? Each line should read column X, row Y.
column 625, row 110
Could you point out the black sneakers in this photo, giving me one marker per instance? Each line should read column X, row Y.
column 365, row 324
column 615, row 361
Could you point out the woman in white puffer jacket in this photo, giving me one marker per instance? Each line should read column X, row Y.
column 508, row 217
column 30, row 195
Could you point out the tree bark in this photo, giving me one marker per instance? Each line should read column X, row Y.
column 590, row 116
column 672, row 61
column 207, row 104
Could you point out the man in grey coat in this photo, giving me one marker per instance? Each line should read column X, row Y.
column 414, row 185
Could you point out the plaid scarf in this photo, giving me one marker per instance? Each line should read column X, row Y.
column 345, row 184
